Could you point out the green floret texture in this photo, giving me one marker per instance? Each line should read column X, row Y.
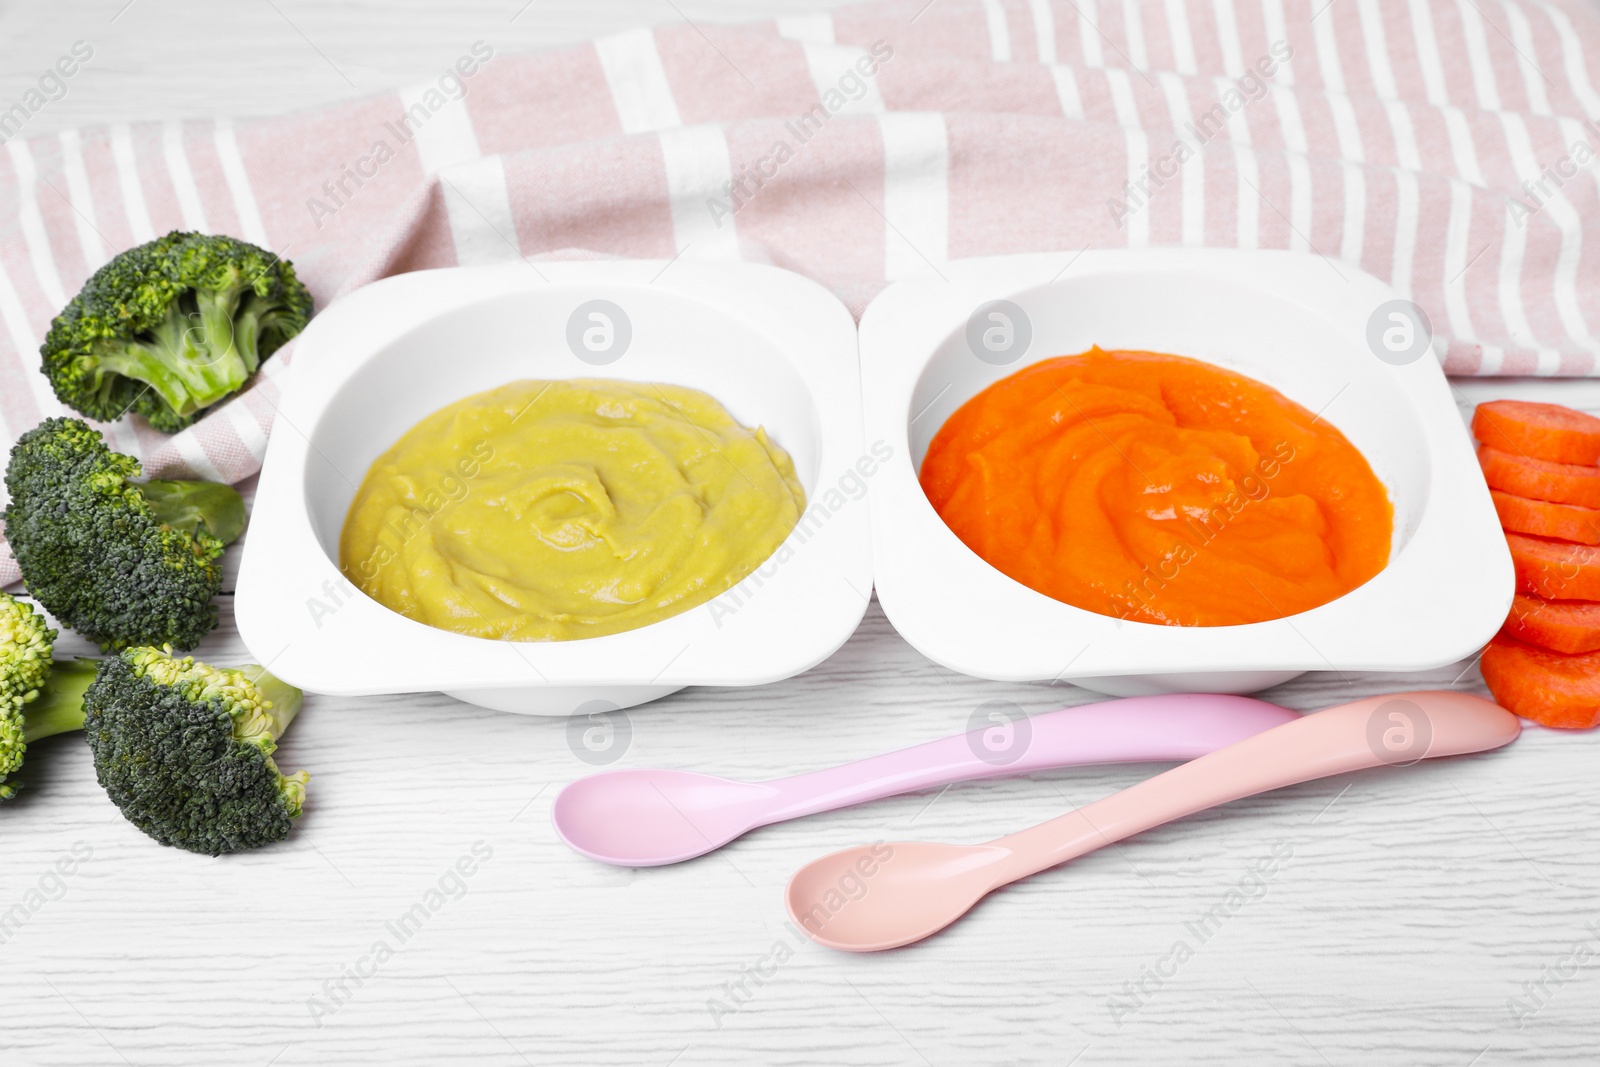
column 39, row 697
column 25, row 651
column 172, row 327
column 26, row 642
column 101, row 557
column 185, row 750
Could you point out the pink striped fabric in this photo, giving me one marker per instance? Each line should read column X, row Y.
column 1445, row 146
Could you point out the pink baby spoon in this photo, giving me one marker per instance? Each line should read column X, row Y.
column 883, row 896
column 646, row 818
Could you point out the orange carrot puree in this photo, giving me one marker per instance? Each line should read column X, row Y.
column 1160, row 489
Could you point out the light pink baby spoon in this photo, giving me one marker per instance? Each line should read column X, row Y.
column 883, row 896
column 646, row 818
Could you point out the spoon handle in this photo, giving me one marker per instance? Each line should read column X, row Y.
column 1397, row 730
column 1166, row 727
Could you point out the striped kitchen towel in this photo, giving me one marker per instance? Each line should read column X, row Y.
column 1445, row 146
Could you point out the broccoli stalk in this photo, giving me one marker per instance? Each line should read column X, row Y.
column 172, row 327
column 38, row 696
column 185, row 749
column 121, row 562
column 59, row 709
column 193, row 506
column 194, row 355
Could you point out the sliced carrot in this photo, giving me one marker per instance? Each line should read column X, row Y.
column 1570, row 626
column 1551, row 688
column 1538, row 479
column 1539, row 431
column 1541, row 518
column 1555, row 570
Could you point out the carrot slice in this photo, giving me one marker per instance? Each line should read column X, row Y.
column 1555, row 570
column 1541, row 518
column 1570, row 626
column 1538, row 431
column 1551, row 688
column 1538, row 479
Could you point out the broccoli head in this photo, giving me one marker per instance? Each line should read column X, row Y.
column 121, row 562
column 38, row 697
column 185, row 750
column 25, row 647
column 171, row 327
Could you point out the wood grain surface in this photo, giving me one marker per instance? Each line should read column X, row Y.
column 1405, row 910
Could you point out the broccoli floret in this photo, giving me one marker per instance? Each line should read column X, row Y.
column 172, row 327
column 38, row 697
column 25, row 648
column 120, row 562
column 185, row 750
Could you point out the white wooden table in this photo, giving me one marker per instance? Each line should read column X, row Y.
column 1412, row 906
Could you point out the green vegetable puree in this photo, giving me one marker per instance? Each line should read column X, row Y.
column 546, row 511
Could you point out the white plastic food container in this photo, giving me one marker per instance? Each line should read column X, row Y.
column 1323, row 334
column 776, row 349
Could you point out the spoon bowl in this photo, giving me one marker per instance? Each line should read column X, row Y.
column 647, row 818
column 883, row 896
